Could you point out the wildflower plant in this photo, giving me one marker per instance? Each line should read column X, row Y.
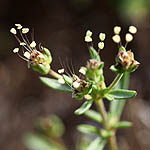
column 89, row 84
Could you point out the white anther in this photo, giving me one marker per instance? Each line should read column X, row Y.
column 61, row 71
column 88, row 39
column 82, row 70
column 117, row 29
column 25, row 30
column 27, row 55
column 22, row 44
column 13, row 31
column 76, row 84
column 102, row 36
column 116, row 38
column 128, row 37
column 88, row 33
column 33, row 44
column 132, row 29
column 101, row 45
column 16, row 50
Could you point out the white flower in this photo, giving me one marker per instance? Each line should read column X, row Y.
column 88, row 39
column 132, row 29
column 61, row 71
column 25, row 30
column 128, row 37
column 13, row 31
column 88, row 33
column 27, row 55
column 16, row 50
column 102, row 36
column 117, row 29
column 22, row 43
column 116, row 38
column 33, row 44
column 61, row 81
column 82, row 70
column 101, row 45
column 88, row 97
column 76, row 84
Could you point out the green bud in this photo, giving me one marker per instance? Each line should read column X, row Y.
column 40, row 60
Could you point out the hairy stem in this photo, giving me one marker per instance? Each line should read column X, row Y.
column 116, row 80
column 101, row 108
column 54, row 74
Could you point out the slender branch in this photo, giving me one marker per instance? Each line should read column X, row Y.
column 116, row 80
column 111, row 140
column 55, row 74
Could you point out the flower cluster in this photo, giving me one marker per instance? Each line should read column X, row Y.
column 39, row 60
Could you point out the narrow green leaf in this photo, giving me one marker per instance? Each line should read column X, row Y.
column 94, row 115
column 67, row 79
column 97, row 144
column 124, row 124
column 54, row 84
column 122, row 94
column 116, row 107
column 88, row 129
column 36, row 142
column 84, row 107
column 94, row 54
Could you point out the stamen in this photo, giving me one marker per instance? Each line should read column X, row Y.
column 13, row 31
column 88, row 39
column 33, row 44
column 101, row 45
column 102, row 36
column 88, row 33
column 61, row 71
column 117, row 29
column 132, row 29
column 16, row 50
column 25, row 30
column 27, row 55
column 116, row 38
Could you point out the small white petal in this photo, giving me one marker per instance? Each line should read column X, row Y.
column 132, row 29
column 33, row 44
column 61, row 71
column 88, row 33
column 76, row 84
column 61, row 81
column 88, row 97
column 25, row 30
column 128, row 37
column 27, row 55
column 82, row 70
column 88, row 39
column 102, row 36
column 16, row 50
column 13, row 31
column 117, row 29
column 22, row 43
column 101, row 45
column 116, row 38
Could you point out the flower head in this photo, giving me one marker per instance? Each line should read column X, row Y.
column 38, row 59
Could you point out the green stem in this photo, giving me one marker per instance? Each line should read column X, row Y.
column 101, row 108
column 116, row 80
column 55, row 74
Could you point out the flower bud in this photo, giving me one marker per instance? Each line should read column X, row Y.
column 126, row 61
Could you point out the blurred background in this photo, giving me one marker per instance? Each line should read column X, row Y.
column 60, row 25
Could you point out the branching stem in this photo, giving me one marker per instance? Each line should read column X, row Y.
column 54, row 74
column 101, row 108
column 116, row 80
